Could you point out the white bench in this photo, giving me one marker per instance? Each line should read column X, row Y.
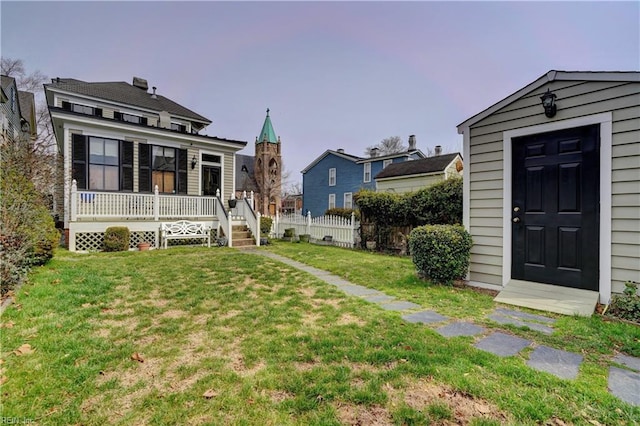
column 183, row 229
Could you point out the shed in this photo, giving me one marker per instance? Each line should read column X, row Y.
column 552, row 196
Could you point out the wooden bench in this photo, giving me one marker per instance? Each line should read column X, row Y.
column 184, row 229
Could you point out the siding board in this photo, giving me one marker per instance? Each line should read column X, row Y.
column 486, row 278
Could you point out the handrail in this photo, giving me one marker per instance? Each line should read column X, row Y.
column 223, row 218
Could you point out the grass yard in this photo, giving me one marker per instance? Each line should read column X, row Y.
column 219, row 336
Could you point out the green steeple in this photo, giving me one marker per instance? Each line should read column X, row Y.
column 267, row 133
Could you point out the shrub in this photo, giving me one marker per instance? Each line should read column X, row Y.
column 441, row 252
column 289, row 232
column 440, row 203
column 627, row 304
column 265, row 225
column 116, row 238
column 342, row 212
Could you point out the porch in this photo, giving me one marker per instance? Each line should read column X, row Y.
column 92, row 212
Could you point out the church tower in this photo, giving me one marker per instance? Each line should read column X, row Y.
column 268, row 169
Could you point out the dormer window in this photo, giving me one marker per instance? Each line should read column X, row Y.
column 179, row 127
column 82, row 109
column 129, row 118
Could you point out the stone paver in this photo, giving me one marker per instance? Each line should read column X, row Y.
column 625, row 385
column 502, row 344
column 424, row 317
column 456, row 329
column 358, row 290
column 382, row 298
column 399, row 305
column 502, row 319
column 628, row 361
column 560, row 363
column 525, row 316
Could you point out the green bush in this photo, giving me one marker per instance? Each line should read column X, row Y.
column 289, row 232
column 441, row 252
column 265, row 225
column 627, row 304
column 342, row 212
column 116, row 238
column 440, row 203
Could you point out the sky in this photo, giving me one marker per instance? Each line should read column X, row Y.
column 333, row 74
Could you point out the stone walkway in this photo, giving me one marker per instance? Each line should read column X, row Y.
column 624, row 373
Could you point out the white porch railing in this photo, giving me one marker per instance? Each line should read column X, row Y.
column 252, row 218
column 341, row 230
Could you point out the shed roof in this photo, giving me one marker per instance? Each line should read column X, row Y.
column 417, row 167
column 122, row 92
column 550, row 76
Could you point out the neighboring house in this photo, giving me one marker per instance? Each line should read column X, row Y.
column 17, row 111
column 119, row 143
column 552, row 195
column 333, row 178
column 292, row 203
column 262, row 173
column 413, row 175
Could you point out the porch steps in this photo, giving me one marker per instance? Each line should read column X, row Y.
column 242, row 236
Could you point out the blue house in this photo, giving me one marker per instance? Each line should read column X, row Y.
column 333, row 178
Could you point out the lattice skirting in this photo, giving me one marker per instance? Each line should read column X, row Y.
column 94, row 241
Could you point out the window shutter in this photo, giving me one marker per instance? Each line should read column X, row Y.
column 143, row 120
column 182, row 171
column 117, row 115
column 144, row 168
column 98, row 112
column 79, row 160
column 126, row 166
column 66, row 105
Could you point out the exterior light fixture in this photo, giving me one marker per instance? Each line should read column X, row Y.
column 549, row 103
column 194, row 161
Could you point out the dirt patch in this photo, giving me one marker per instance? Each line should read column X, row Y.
column 306, row 365
column 278, row 396
column 479, row 290
column 465, row 407
column 129, row 324
column 348, row 319
column 350, row 414
column 173, row 314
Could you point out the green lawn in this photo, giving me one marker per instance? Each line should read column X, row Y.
column 218, row 336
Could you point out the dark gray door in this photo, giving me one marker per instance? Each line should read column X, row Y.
column 210, row 180
column 555, row 211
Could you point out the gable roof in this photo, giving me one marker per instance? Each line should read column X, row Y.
column 267, row 133
column 344, row 155
column 27, row 105
column 125, row 93
column 394, row 155
column 417, row 167
column 245, row 178
column 550, row 76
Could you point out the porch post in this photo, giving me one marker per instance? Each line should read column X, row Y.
column 353, row 229
column 74, row 199
column 309, row 223
column 253, row 206
column 156, row 206
column 258, row 216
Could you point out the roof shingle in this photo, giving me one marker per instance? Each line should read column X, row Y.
column 416, row 167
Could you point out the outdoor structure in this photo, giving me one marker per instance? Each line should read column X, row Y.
column 262, row 173
column 291, row 203
column 136, row 159
column 413, row 175
column 17, row 112
column 552, row 188
column 334, row 177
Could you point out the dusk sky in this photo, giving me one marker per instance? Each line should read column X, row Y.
column 334, row 74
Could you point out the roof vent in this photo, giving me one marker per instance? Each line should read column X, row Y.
column 154, row 96
column 140, row 83
column 341, row 150
column 412, row 142
column 438, row 150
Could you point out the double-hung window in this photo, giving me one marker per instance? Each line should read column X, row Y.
column 332, row 201
column 102, row 163
column 332, row 176
column 163, row 166
column 367, row 172
column 164, row 169
column 348, row 200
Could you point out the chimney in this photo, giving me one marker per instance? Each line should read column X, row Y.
column 153, row 96
column 438, row 150
column 140, row 83
column 341, row 150
column 374, row 152
column 412, row 142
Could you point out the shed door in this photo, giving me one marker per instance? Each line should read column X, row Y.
column 555, row 229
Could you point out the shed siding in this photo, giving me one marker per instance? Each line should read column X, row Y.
column 407, row 184
column 575, row 99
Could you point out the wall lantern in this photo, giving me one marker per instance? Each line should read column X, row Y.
column 549, row 103
column 194, row 161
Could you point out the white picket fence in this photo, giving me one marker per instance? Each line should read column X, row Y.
column 335, row 230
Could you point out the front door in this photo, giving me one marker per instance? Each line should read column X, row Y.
column 210, row 180
column 555, row 211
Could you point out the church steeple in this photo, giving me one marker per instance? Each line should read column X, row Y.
column 267, row 134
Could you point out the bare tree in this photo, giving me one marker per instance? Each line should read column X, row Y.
column 27, row 82
column 390, row 145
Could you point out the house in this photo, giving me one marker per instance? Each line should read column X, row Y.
column 133, row 158
column 552, row 189
column 334, row 177
column 262, row 172
column 292, row 204
column 413, row 175
column 17, row 111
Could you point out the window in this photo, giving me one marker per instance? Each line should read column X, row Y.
column 129, row 118
column 82, row 109
column 102, row 163
column 348, row 200
column 162, row 166
column 179, row 127
column 332, row 177
column 385, row 163
column 367, row 172
column 332, row 201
